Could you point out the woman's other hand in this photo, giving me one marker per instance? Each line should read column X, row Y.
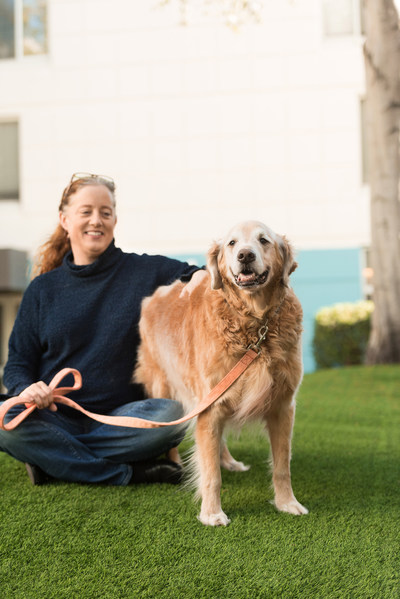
column 40, row 394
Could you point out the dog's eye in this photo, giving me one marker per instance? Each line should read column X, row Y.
column 263, row 241
column 232, row 242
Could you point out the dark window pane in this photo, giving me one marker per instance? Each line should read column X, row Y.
column 7, row 29
column 9, row 171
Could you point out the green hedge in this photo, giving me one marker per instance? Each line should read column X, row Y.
column 341, row 334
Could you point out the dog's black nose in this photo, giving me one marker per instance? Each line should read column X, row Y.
column 246, row 256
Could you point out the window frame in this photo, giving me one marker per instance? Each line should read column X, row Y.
column 19, row 35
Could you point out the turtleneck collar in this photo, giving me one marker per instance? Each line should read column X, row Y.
column 105, row 261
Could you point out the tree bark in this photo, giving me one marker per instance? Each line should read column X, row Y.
column 382, row 60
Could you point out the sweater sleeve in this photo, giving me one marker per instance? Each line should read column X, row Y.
column 24, row 348
column 175, row 269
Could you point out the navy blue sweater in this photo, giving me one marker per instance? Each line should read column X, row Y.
column 86, row 317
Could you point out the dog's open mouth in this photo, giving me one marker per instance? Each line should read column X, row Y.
column 248, row 278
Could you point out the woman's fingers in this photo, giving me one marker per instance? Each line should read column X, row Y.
column 40, row 394
column 194, row 282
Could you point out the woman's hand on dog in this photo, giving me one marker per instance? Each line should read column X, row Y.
column 194, row 282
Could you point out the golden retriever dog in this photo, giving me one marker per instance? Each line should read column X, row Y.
column 191, row 341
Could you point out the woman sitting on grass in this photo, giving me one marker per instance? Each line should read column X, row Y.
column 83, row 312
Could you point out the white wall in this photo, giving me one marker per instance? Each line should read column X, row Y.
column 200, row 126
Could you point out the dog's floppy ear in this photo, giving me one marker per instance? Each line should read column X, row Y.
column 289, row 264
column 212, row 266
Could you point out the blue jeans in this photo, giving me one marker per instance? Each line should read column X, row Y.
column 70, row 446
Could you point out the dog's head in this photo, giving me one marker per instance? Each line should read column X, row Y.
column 250, row 258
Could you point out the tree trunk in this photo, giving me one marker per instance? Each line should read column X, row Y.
column 382, row 60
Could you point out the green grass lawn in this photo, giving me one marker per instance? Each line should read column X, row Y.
column 66, row 541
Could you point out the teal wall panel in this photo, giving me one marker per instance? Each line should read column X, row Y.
column 323, row 278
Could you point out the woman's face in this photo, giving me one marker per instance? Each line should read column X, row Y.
column 89, row 219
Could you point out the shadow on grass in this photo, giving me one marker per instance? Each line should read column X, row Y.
column 346, row 482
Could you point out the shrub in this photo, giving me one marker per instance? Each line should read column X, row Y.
column 341, row 334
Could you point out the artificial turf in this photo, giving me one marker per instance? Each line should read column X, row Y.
column 68, row 540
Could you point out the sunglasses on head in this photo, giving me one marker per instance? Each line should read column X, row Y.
column 91, row 177
column 87, row 179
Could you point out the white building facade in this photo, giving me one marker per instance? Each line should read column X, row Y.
column 199, row 125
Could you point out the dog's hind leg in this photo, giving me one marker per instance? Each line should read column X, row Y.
column 228, row 461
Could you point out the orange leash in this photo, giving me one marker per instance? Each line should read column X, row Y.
column 128, row 421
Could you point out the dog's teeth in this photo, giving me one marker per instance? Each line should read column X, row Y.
column 242, row 278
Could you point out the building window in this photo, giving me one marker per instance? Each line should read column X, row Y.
column 23, row 28
column 7, row 29
column 9, row 161
column 364, row 143
column 34, row 27
column 342, row 17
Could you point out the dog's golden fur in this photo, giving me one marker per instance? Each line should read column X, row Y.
column 190, row 341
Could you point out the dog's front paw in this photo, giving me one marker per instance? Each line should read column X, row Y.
column 291, row 507
column 219, row 519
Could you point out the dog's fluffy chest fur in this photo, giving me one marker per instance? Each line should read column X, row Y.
column 196, row 341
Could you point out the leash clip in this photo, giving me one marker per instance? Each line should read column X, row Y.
column 262, row 333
